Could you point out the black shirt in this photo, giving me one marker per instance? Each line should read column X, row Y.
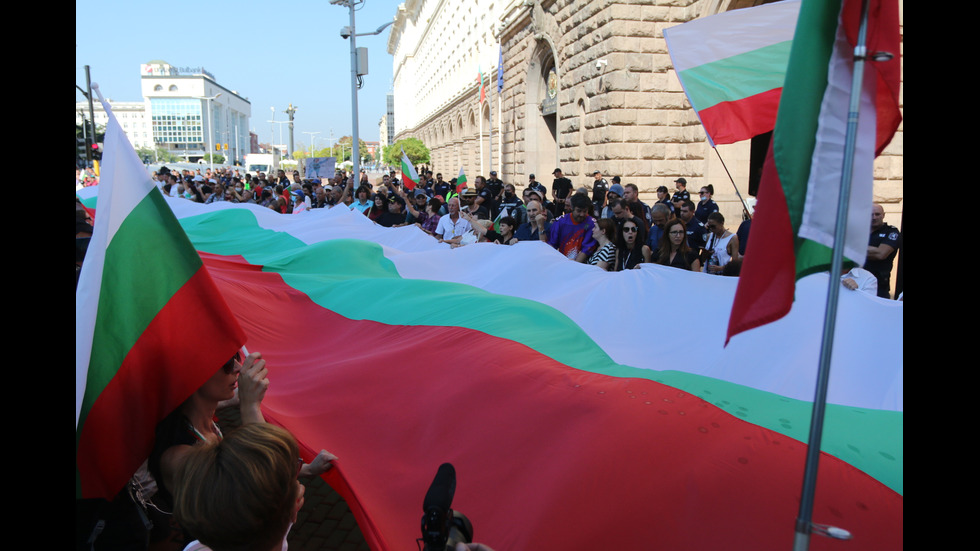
column 599, row 189
column 389, row 219
column 561, row 188
column 442, row 188
column 495, row 186
column 697, row 235
column 885, row 235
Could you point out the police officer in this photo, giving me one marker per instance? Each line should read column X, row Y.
column 600, row 187
column 536, row 185
column 441, row 187
column 882, row 248
column 495, row 185
column 680, row 194
column 560, row 189
column 697, row 234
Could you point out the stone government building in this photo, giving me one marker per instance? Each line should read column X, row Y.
column 587, row 85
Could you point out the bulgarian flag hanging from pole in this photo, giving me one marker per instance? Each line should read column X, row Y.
column 460, row 181
column 793, row 228
column 483, row 88
column 409, row 176
column 732, row 66
column 150, row 325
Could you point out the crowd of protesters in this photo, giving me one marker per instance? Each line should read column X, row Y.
column 673, row 231
column 606, row 226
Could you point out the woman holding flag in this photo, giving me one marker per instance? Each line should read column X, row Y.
column 237, row 381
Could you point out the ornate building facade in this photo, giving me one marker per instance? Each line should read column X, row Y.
column 586, row 85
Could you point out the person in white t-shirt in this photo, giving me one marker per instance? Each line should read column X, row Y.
column 859, row 279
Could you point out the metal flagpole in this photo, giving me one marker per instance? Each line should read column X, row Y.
column 804, row 526
column 744, row 206
column 490, row 111
column 500, row 130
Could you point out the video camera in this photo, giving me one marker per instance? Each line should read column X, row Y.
column 442, row 527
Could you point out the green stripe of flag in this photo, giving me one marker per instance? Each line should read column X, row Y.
column 737, row 77
column 794, row 136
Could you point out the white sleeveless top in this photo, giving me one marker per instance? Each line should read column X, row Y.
column 719, row 251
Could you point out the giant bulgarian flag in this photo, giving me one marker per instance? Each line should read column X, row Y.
column 570, row 427
column 150, row 325
column 732, row 66
column 796, row 217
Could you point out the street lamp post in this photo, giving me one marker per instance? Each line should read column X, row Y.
column 280, row 137
column 312, row 141
column 210, row 130
column 345, row 33
column 272, row 136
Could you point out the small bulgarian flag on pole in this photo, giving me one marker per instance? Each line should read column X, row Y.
column 409, row 177
column 483, row 89
column 142, row 295
column 732, row 66
column 460, row 181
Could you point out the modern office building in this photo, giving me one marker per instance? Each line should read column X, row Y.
column 390, row 120
column 188, row 124
column 383, row 135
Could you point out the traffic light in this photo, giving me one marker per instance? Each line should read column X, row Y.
column 81, row 147
column 96, row 152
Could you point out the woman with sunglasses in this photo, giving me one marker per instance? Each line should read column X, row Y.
column 193, row 422
column 706, row 205
column 674, row 250
column 632, row 246
column 379, row 207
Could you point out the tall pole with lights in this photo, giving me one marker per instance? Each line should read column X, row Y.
column 291, row 111
column 210, row 131
column 350, row 32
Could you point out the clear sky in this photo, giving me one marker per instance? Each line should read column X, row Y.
column 272, row 53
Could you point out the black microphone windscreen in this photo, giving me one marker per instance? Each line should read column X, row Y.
column 442, row 490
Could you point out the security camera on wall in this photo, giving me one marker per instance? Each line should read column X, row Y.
column 600, row 63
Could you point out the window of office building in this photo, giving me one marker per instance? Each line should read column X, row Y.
column 176, row 120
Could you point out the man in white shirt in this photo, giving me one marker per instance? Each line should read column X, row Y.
column 859, row 279
column 452, row 227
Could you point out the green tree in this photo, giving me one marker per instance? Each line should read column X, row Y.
column 343, row 150
column 218, row 159
column 157, row 155
column 417, row 152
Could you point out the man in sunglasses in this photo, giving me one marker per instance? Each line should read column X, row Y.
column 723, row 244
